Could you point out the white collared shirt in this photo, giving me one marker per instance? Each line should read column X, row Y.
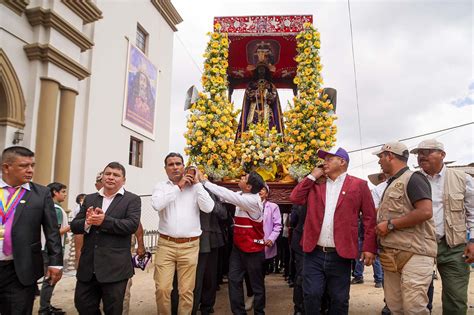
column 437, row 191
column 333, row 189
column 377, row 193
column 106, row 201
column 6, row 194
column 179, row 209
column 248, row 205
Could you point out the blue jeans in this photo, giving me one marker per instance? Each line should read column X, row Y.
column 326, row 271
column 359, row 267
column 378, row 272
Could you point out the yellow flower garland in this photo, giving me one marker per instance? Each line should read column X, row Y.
column 310, row 120
column 212, row 121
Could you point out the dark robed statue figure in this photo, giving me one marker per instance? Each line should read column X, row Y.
column 261, row 101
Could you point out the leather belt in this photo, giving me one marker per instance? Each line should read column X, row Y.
column 179, row 240
column 326, row 249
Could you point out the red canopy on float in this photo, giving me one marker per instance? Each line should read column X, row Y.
column 276, row 34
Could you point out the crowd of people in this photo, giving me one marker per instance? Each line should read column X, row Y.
column 410, row 224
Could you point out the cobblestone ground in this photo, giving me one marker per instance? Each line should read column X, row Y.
column 365, row 298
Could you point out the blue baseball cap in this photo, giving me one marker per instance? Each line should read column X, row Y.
column 340, row 152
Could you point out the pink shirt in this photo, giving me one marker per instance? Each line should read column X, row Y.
column 271, row 226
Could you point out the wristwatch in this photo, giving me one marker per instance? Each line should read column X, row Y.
column 390, row 225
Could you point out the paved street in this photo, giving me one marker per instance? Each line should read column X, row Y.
column 365, row 298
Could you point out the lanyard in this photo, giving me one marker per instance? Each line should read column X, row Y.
column 7, row 208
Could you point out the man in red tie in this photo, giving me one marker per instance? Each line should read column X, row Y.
column 334, row 202
column 25, row 207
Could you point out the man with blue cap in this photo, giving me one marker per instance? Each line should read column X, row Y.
column 334, row 201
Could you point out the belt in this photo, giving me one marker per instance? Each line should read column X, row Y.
column 441, row 239
column 326, row 249
column 179, row 240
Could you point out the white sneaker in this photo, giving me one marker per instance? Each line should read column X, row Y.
column 249, row 303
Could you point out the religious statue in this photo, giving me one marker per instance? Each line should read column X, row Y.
column 261, row 100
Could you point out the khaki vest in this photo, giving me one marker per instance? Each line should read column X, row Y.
column 453, row 206
column 419, row 239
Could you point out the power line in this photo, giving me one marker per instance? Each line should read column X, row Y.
column 189, row 54
column 410, row 147
column 355, row 81
column 414, row 137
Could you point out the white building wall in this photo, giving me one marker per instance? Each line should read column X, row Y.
column 99, row 136
column 105, row 139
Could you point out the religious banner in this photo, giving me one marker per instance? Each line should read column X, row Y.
column 140, row 93
column 269, row 35
column 266, row 24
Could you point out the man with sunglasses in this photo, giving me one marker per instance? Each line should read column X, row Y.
column 453, row 210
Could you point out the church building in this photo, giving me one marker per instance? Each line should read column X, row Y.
column 84, row 83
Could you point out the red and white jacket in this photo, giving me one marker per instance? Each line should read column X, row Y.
column 248, row 219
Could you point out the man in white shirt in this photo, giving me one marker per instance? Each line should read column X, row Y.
column 334, row 203
column 453, row 210
column 26, row 208
column 108, row 218
column 178, row 202
column 248, row 252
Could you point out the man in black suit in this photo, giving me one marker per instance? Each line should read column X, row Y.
column 25, row 207
column 107, row 219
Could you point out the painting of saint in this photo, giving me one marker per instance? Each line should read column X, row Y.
column 140, row 93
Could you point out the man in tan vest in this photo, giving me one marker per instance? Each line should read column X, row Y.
column 453, row 210
column 406, row 233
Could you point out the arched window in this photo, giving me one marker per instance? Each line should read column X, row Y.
column 12, row 101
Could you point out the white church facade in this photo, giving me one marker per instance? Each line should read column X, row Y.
column 84, row 83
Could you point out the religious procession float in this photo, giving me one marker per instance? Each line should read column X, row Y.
column 261, row 54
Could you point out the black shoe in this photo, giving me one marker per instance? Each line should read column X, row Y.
column 378, row 285
column 357, row 280
column 386, row 310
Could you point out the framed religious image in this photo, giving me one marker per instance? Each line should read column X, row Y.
column 140, row 93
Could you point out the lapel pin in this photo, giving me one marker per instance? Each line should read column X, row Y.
column 22, row 201
column 343, row 192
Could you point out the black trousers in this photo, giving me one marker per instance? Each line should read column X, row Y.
column 241, row 263
column 88, row 295
column 298, row 299
column 266, row 263
column 15, row 298
column 206, row 282
column 285, row 255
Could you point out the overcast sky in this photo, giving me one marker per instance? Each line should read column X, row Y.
column 413, row 60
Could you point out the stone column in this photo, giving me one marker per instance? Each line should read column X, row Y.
column 62, row 164
column 45, row 132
